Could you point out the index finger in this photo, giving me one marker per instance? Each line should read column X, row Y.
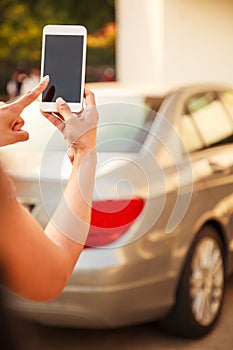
column 89, row 98
column 30, row 96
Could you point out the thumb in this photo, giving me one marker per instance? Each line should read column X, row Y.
column 20, row 136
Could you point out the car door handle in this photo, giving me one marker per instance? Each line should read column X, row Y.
column 219, row 168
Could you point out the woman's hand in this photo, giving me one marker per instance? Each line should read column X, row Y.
column 11, row 122
column 79, row 129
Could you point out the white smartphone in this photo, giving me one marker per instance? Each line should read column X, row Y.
column 64, row 60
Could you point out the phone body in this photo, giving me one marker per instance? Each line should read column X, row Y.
column 64, row 60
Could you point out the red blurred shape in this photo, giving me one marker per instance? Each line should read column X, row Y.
column 110, row 219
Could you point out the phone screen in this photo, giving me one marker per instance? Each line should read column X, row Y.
column 63, row 58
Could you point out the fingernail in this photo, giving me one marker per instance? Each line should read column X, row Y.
column 60, row 100
column 44, row 78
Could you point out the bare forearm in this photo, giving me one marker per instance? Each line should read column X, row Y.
column 69, row 226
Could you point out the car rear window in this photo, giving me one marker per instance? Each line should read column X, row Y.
column 123, row 127
column 227, row 98
column 206, row 122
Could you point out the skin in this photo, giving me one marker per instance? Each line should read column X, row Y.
column 37, row 263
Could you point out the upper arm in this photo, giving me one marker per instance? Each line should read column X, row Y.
column 33, row 265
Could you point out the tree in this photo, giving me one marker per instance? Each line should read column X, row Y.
column 21, row 23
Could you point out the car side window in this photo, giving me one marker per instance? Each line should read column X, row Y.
column 210, row 120
column 190, row 135
column 227, row 99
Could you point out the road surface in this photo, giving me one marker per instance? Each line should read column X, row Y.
column 141, row 337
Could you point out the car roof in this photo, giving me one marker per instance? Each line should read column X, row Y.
column 160, row 90
column 143, row 89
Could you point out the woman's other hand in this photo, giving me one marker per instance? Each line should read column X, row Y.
column 79, row 129
column 11, row 122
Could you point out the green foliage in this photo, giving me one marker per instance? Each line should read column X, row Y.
column 21, row 23
column 20, row 29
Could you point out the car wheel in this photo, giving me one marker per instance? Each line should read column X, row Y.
column 201, row 289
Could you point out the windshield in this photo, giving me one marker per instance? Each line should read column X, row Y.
column 123, row 127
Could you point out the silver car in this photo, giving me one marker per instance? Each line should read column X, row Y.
column 161, row 237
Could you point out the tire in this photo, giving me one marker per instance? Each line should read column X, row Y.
column 201, row 288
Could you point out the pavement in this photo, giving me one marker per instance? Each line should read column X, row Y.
column 141, row 337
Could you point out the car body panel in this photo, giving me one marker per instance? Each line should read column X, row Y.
column 135, row 278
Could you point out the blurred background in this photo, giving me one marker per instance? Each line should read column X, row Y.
column 21, row 23
column 135, row 41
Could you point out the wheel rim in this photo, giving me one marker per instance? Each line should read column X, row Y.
column 206, row 281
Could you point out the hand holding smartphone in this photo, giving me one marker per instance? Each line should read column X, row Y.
column 64, row 60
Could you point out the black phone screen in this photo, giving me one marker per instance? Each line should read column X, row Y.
column 63, row 56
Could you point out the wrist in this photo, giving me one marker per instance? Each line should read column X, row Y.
column 87, row 154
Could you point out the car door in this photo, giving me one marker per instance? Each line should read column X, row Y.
column 207, row 131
